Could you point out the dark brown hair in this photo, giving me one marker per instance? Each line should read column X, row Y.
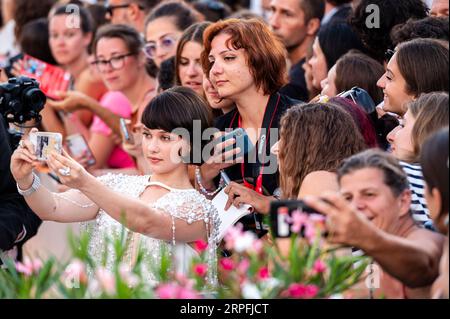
column 177, row 108
column 183, row 15
column 313, row 9
column 127, row 34
column 357, row 69
column 423, row 64
column 434, row 162
column 394, row 175
column 26, row 11
column 265, row 54
column 314, row 137
column 427, row 28
column 193, row 33
column 86, row 23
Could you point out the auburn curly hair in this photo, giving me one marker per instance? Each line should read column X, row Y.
column 314, row 137
column 265, row 54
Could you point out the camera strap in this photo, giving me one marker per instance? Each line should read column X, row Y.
column 269, row 116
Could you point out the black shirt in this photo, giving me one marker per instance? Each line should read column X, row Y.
column 276, row 107
column 15, row 215
column 296, row 88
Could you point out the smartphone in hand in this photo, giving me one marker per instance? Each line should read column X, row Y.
column 281, row 213
column 78, row 147
column 125, row 129
column 46, row 142
column 242, row 141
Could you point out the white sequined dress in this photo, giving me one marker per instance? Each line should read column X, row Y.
column 185, row 204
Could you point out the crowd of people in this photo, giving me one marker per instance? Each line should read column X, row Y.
column 345, row 110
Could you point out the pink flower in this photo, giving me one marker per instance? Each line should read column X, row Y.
column 263, row 273
column 232, row 235
column 128, row 277
column 227, row 264
column 300, row 291
column 298, row 220
column 106, row 280
column 200, row 246
column 243, row 266
column 174, row 291
column 319, row 267
column 187, row 293
column 76, row 270
column 24, row 269
column 310, row 232
column 167, row 291
column 201, row 270
column 28, row 267
column 258, row 246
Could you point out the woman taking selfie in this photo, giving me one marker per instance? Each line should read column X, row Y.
column 163, row 207
column 371, row 212
column 247, row 65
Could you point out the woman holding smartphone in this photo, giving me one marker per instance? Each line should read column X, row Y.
column 247, row 65
column 164, row 207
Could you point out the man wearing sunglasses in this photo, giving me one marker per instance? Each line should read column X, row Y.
column 130, row 12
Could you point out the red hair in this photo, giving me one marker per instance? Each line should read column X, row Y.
column 266, row 56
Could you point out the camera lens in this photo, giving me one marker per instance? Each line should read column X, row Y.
column 34, row 98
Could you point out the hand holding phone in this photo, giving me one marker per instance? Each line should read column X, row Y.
column 45, row 143
column 281, row 217
column 79, row 148
column 125, row 129
column 241, row 141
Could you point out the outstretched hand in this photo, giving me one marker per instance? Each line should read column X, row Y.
column 69, row 171
column 69, row 101
column 345, row 224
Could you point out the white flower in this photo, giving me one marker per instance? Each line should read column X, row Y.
column 250, row 291
column 244, row 242
column 127, row 276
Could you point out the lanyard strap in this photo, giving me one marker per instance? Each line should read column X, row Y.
column 258, row 187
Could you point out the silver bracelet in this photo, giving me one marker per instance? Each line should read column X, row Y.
column 203, row 190
column 34, row 186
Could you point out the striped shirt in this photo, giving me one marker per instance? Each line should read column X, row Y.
column 417, row 186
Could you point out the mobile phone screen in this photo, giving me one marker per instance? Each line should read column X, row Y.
column 125, row 128
column 281, row 213
column 78, row 146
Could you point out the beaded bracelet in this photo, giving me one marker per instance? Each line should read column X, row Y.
column 203, row 190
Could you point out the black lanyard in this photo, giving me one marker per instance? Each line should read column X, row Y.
column 269, row 116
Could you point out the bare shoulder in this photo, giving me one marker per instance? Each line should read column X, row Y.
column 430, row 240
column 315, row 183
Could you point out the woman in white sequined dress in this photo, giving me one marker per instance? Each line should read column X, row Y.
column 159, row 210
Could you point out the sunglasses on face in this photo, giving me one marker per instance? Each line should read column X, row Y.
column 166, row 43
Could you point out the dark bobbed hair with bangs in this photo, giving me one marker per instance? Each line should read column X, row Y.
column 178, row 108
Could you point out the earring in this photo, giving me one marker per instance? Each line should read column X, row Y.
column 446, row 221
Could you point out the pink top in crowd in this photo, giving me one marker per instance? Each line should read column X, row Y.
column 117, row 103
